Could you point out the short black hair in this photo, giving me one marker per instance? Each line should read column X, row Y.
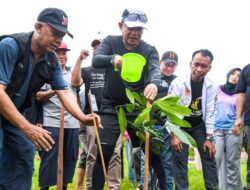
column 204, row 52
column 95, row 42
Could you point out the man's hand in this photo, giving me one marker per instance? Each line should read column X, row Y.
column 117, row 61
column 150, row 91
column 208, row 145
column 39, row 136
column 84, row 54
column 237, row 126
column 176, row 143
column 89, row 120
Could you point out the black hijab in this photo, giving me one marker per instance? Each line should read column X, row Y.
column 230, row 88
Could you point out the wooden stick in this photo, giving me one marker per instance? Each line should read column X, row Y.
column 98, row 141
column 60, row 152
column 146, row 163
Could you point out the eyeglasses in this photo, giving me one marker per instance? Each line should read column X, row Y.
column 203, row 66
column 135, row 17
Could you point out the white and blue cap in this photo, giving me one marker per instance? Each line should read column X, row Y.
column 134, row 18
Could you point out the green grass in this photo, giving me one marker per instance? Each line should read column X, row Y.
column 195, row 178
column 126, row 184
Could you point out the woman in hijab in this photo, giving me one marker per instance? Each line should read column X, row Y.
column 228, row 146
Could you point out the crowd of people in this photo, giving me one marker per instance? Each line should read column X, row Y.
column 36, row 85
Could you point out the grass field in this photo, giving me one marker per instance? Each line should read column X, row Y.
column 195, row 178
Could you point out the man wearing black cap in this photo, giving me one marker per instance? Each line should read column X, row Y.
column 27, row 61
column 109, row 56
column 168, row 64
column 94, row 81
column 56, row 19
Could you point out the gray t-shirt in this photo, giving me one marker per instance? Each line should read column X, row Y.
column 52, row 107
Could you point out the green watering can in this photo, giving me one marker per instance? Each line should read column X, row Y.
column 132, row 67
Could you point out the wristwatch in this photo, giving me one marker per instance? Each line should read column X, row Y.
column 210, row 138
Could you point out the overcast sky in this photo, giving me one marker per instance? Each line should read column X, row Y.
column 179, row 25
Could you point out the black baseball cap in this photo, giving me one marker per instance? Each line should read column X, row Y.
column 56, row 18
column 170, row 57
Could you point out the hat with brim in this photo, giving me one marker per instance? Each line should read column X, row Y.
column 166, row 61
column 169, row 57
column 134, row 24
column 55, row 18
column 63, row 47
column 60, row 29
column 134, row 18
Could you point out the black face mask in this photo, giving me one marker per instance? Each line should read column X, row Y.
column 230, row 88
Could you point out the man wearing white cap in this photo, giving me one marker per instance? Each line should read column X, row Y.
column 109, row 56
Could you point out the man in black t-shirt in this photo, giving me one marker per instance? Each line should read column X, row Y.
column 243, row 105
column 109, row 56
column 94, row 81
column 168, row 65
column 197, row 92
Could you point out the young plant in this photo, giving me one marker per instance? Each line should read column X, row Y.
column 165, row 109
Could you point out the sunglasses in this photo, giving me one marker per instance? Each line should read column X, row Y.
column 135, row 17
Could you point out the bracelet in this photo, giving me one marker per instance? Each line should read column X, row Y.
column 210, row 138
column 113, row 59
